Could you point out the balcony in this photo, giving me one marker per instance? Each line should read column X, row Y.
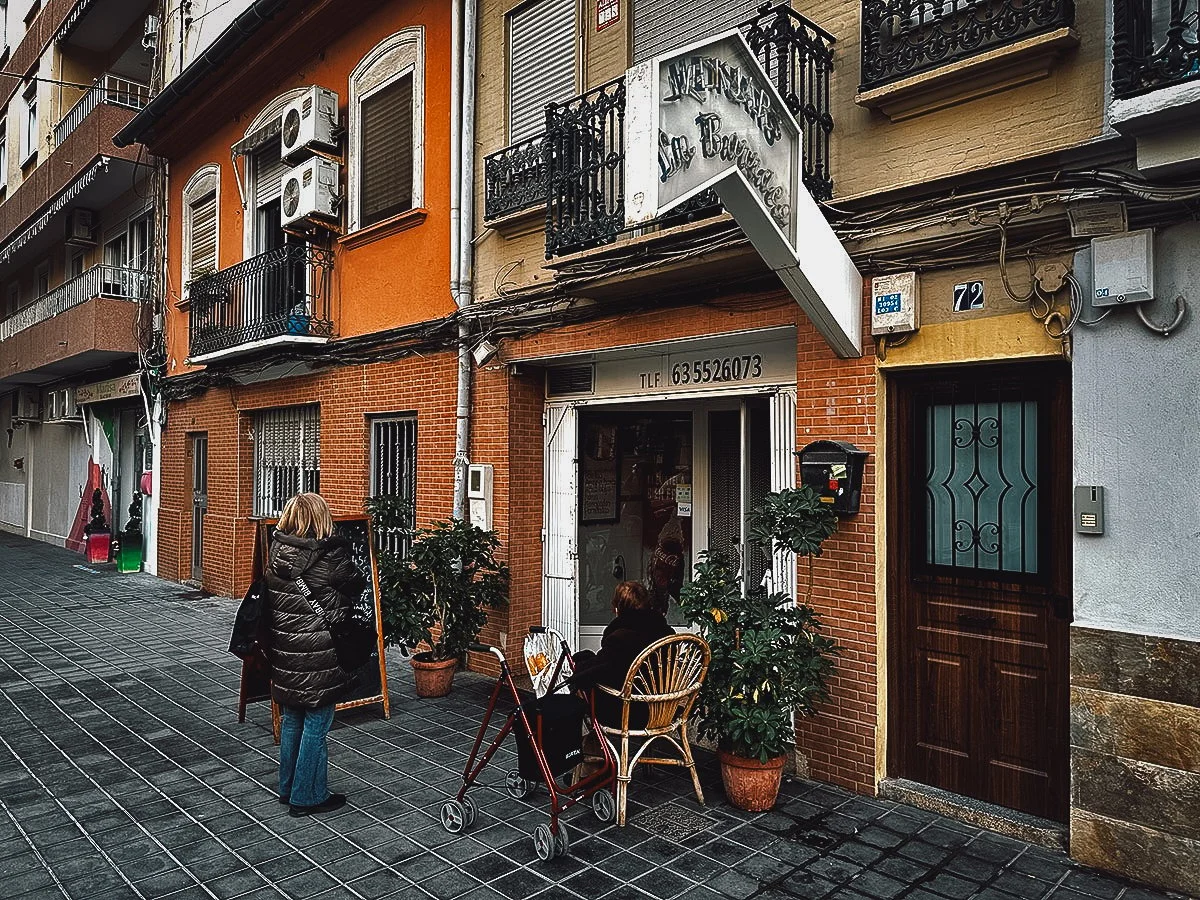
column 82, row 324
column 575, row 171
column 108, row 89
column 277, row 297
column 902, row 38
column 1155, row 45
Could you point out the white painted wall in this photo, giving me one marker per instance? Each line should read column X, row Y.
column 192, row 27
column 1136, row 416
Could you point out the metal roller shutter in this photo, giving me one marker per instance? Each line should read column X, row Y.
column 541, row 66
column 202, row 257
column 662, row 25
column 269, row 170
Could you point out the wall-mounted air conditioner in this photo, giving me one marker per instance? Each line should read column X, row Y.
column 309, row 122
column 310, row 191
column 60, row 406
column 80, row 228
column 27, row 405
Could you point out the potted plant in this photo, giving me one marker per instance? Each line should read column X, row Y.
column 436, row 586
column 99, row 538
column 769, row 657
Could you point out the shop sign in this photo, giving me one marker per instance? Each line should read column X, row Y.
column 733, row 365
column 608, row 12
column 113, row 389
column 706, row 116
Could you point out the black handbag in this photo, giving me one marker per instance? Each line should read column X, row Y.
column 354, row 641
column 248, row 638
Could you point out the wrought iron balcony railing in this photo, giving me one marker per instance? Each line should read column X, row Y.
column 515, row 178
column 110, row 89
column 1155, row 45
column 99, row 281
column 905, row 37
column 283, row 292
column 584, row 149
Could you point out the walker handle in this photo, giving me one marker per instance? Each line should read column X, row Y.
column 537, row 629
column 487, row 648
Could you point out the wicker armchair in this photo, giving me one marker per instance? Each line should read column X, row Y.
column 664, row 680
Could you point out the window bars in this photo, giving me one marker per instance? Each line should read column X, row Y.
column 287, row 455
column 394, row 470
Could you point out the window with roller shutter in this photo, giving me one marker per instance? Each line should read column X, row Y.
column 200, row 220
column 541, row 64
column 386, row 156
column 386, row 160
column 663, row 25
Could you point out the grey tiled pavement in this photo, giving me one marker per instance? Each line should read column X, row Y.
column 124, row 774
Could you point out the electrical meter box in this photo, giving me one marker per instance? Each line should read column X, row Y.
column 895, row 304
column 834, row 469
column 479, row 496
column 1123, row 268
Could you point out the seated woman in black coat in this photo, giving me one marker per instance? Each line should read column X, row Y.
column 637, row 625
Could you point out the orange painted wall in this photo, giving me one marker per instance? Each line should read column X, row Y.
column 393, row 280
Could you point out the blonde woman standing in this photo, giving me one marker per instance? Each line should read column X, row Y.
column 307, row 560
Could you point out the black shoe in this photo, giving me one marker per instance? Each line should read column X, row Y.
column 283, row 800
column 332, row 802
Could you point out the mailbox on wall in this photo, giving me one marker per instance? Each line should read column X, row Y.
column 834, row 469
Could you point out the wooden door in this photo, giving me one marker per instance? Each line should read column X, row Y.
column 979, row 551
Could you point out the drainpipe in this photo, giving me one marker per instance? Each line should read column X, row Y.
column 462, row 223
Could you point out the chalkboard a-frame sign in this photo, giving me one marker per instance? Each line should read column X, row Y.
column 370, row 685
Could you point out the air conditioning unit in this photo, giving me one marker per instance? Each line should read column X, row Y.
column 60, row 406
column 27, row 405
column 310, row 191
column 80, row 228
column 309, row 123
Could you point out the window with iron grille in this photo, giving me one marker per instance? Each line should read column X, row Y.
column 287, row 456
column 394, row 467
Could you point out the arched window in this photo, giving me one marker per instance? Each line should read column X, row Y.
column 387, row 130
column 263, row 172
column 200, row 217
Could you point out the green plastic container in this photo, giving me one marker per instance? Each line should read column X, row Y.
column 129, row 557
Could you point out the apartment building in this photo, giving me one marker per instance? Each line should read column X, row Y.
column 77, row 232
column 308, row 277
column 1004, row 642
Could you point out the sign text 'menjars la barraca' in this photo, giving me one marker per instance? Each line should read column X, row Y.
column 706, row 116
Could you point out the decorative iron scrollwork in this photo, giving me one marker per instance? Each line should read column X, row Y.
column 284, row 291
column 904, row 37
column 515, row 178
column 1154, row 45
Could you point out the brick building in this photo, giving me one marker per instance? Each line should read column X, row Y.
column 641, row 376
column 77, row 225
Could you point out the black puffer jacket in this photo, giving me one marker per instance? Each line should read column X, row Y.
column 305, row 671
column 624, row 639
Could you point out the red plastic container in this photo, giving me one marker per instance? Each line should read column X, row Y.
column 98, row 547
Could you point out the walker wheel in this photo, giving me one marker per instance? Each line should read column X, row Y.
column 470, row 810
column 544, row 844
column 517, row 787
column 454, row 816
column 604, row 806
column 562, row 844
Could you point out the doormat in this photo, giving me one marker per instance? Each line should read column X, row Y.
column 673, row 822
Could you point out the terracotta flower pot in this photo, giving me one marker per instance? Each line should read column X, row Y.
column 750, row 784
column 433, row 677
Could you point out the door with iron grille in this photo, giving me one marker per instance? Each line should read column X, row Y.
column 979, row 544
column 199, row 502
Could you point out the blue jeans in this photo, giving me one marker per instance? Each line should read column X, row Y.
column 304, row 755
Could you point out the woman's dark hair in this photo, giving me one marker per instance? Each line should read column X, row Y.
column 631, row 595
